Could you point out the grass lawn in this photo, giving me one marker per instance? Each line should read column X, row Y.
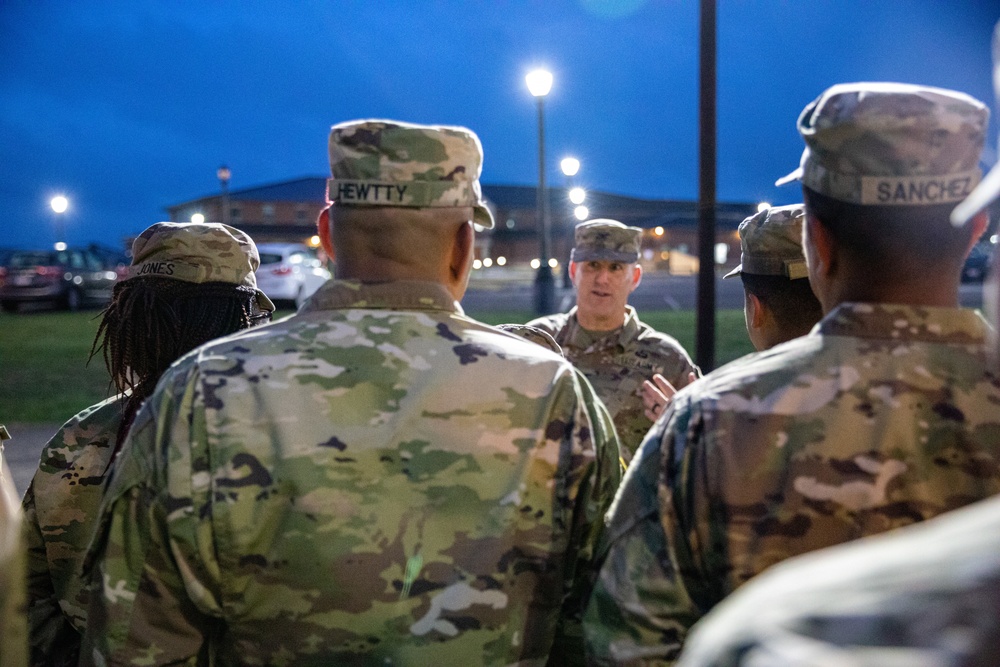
column 44, row 375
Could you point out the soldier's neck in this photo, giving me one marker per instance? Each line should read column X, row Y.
column 941, row 292
column 591, row 322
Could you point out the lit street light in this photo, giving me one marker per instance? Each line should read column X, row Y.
column 581, row 213
column 577, row 195
column 570, row 166
column 198, row 218
column 539, row 84
column 59, row 205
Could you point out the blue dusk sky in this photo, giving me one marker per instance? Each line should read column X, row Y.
column 128, row 107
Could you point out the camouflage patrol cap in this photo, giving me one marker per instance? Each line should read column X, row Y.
column 989, row 189
column 891, row 144
column 390, row 163
column 196, row 252
column 603, row 239
column 772, row 243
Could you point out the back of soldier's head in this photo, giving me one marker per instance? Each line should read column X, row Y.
column 188, row 284
column 396, row 187
column 885, row 164
column 773, row 268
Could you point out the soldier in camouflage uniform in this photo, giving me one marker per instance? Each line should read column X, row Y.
column 923, row 595
column 778, row 302
column 377, row 479
column 603, row 336
column 188, row 283
column 13, row 619
column 884, row 415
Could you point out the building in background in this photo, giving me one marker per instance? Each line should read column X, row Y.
column 287, row 211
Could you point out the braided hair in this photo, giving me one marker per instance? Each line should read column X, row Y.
column 153, row 321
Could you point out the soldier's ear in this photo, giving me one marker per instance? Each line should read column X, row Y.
column 978, row 225
column 463, row 251
column 818, row 245
column 755, row 311
column 636, row 276
column 573, row 266
column 323, row 231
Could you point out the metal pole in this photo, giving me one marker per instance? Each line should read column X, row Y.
column 224, row 175
column 544, row 282
column 705, row 347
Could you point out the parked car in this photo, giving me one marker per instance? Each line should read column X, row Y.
column 977, row 264
column 289, row 272
column 72, row 278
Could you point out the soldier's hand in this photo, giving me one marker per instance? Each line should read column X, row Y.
column 657, row 394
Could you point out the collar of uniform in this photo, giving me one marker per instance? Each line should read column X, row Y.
column 623, row 335
column 396, row 295
column 894, row 321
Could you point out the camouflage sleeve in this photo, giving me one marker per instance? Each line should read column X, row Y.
column 53, row 639
column 596, row 484
column 642, row 606
column 681, row 374
column 153, row 598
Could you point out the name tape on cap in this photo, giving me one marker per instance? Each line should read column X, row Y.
column 368, row 192
column 918, row 190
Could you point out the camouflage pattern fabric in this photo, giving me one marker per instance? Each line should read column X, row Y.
column 13, row 617
column 891, row 144
column 771, row 242
column 924, row 595
column 883, row 416
column 377, row 479
column 60, row 513
column 391, row 163
column 607, row 240
column 534, row 334
column 617, row 363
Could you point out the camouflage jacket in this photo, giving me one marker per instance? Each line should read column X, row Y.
column 617, row 363
column 13, row 623
column 60, row 513
column 377, row 479
column 881, row 417
column 925, row 595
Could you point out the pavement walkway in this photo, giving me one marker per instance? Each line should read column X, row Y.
column 24, row 449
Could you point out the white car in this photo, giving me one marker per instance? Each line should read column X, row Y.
column 289, row 272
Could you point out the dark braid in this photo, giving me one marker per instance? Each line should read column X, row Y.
column 151, row 322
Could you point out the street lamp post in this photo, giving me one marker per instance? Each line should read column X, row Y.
column 224, row 174
column 570, row 167
column 539, row 84
column 59, row 205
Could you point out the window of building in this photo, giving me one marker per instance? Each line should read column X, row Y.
column 268, row 211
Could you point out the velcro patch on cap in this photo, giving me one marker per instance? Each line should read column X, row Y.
column 796, row 269
column 918, row 190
